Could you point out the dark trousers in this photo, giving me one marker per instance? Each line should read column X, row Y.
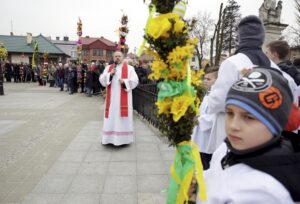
column 82, row 86
column 51, row 83
column 205, row 158
column 73, row 86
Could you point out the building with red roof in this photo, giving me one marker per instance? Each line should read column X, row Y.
column 97, row 49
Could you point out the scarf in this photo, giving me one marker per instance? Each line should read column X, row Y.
column 256, row 55
column 123, row 95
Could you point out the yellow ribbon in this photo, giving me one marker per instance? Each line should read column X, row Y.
column 189, row 83
column 152, row 10
column 189, row 76
column 199, row 172
column 184, row 183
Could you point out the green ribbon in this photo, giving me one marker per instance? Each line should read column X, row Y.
column 173, row 88
column 183, row 164
column 186, row 165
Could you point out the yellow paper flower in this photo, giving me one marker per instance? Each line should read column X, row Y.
column 160, row 26
column 152, row 53
column 193, row 41
column 197, row 104
column 164, row 106
column 179, row 25
column 180, row 54
column 197, row 76
column 173, row 75
column 159, row 65
column 158, row 68
column 178, row 61
column 180, row 105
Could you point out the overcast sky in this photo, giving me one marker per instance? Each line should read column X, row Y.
column 102, row 18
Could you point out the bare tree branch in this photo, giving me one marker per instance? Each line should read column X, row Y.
column 216, row 35
column 202, row 30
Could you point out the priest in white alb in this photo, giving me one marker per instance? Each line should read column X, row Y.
column 119, row 79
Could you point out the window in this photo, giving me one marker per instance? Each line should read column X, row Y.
column 73, row 54
column 97, row 52
column 109, row 53
column 100, row 52
column 85, row 52
column 193, row 59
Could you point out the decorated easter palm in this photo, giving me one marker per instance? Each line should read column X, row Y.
column 179, row 93
column 123, row 31
column 3, row 52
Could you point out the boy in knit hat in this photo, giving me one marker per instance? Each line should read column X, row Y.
column 256, row 164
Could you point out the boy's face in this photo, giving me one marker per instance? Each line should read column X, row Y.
column 209, row 80
column 243, row 130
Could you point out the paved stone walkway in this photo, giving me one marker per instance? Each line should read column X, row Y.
column 50, row 152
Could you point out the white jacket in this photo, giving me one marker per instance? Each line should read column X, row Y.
column 202, row 132
column 241, row 184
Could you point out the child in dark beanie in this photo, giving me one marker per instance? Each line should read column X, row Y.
column 256, row 164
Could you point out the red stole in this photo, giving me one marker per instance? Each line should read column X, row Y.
column 124, row 96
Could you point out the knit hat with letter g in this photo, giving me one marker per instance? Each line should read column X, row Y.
column 264, row 93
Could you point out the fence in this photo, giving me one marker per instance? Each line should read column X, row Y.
column 144, row 98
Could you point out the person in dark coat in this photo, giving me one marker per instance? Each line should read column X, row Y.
column 101, row 69
column 73, row 79
column 82, row 77
column 296, row 63
column 8, row 71
column 89, row 81
column 17, row 73
column 61, row 76
column 96, row 83
column 279, row 51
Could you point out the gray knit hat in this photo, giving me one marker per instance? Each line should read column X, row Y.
column 251, row 31
column 264, row 93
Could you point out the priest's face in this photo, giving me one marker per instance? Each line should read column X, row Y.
column 118, row 57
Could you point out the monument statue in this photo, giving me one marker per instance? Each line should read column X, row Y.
column 269, row 12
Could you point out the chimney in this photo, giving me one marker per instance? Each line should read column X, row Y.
column 57, row 38
column 29, row 38
column 66, row 38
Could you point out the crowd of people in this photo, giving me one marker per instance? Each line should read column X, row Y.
column 18, row 72
column 68, row 77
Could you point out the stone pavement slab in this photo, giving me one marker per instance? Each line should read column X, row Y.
column 51, row 152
